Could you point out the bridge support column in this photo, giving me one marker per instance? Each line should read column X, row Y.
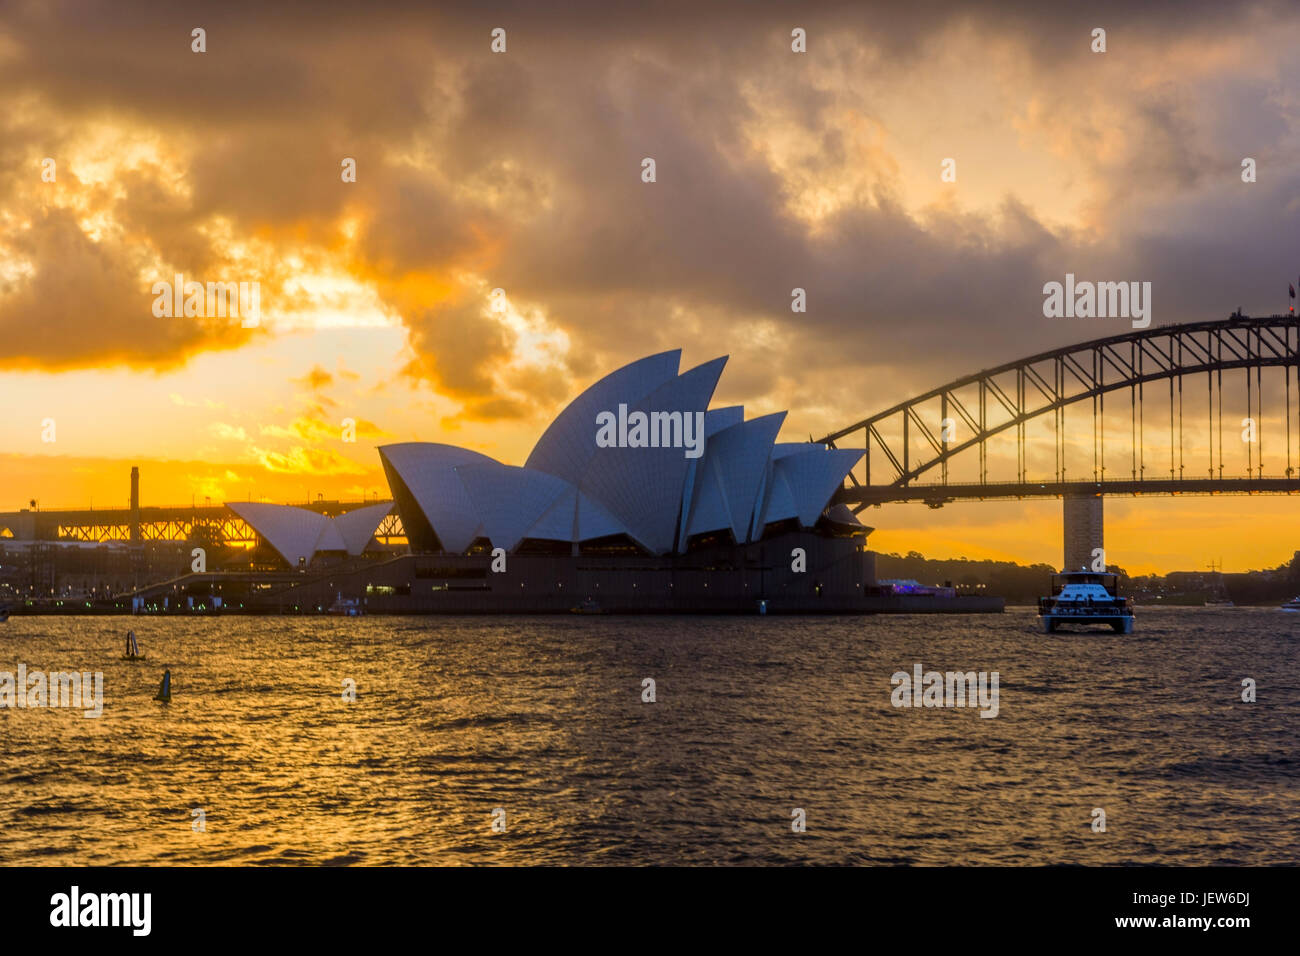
column 1083, row 530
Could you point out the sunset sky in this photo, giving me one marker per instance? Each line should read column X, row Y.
column 522, row 170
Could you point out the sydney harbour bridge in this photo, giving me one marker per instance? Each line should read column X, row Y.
column 1181, row 409
column 1164, row 397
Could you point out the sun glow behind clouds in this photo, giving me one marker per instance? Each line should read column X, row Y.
column 102, row 151
column 537, row 341
column 331, row 301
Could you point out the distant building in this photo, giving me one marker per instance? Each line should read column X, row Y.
column 912, row 586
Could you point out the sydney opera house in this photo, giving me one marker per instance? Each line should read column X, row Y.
column 670, row 472
column 638, row 497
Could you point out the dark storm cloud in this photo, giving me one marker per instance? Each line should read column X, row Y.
column 453, row 342
column 83, row 301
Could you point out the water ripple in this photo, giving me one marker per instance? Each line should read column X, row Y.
column 457, row 721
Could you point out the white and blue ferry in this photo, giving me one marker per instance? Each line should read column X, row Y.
column 1085, row 598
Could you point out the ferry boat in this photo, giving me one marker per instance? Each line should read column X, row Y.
column 1085, row 598
column 1292, row 605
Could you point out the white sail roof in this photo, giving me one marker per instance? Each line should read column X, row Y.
column 510, row 500
column 358, row 526
column 595, row 521
column 642, row 487
column 744, row 452
column 560, row 520
column 731, row 477
column 716, row 419
column 429, row 471
column 330, row 539
column 707, row 502
column 568, row 444
column 811, row 477
column 784, row 448
column 575, row 517
column 778, row 500
column 301, row 533
column 292, row 532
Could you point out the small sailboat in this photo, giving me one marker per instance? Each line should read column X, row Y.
column 132, row 648
column 165, row 688
column 1218, row 593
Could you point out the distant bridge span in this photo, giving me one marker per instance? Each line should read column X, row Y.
column 152, row 524
column 910, row 446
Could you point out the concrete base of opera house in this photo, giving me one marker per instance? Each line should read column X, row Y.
column 839, row 578
column 726, row 579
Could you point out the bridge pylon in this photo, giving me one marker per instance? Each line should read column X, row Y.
column 1082, row 531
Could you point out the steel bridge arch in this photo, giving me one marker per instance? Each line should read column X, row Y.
column 1168, row 352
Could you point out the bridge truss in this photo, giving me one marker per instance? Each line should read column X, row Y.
column 920, row 437
column 217, row 524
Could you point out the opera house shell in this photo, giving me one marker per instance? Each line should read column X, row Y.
column 660, row 493
column 297, row 535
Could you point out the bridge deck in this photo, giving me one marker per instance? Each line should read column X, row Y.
column 938, row 494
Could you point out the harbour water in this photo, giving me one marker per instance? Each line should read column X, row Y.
column 753, row 718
